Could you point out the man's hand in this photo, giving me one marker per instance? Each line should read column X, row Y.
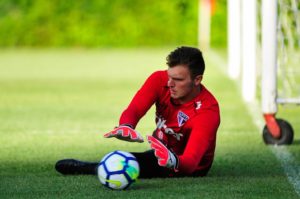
column 125, row 133
column 165, row 157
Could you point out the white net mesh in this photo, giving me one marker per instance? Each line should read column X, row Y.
column 288, row 50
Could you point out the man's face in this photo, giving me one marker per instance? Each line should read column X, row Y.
column 182, row 87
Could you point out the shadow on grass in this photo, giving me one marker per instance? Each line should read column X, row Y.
column 296, row 142
column 246, row 165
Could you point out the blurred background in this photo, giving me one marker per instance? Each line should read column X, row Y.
column 103, row 23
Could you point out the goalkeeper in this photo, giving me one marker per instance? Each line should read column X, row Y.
column 187, row 119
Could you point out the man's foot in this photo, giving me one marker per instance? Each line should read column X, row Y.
column 75, row 167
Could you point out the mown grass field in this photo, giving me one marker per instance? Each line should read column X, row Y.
column 57, row 104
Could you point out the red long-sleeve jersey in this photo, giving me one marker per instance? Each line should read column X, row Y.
column 189, row 129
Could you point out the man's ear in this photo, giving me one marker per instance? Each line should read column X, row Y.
column 198, row 80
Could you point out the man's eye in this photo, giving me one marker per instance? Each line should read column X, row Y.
column 178, row 80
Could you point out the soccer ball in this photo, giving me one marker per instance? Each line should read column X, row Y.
column 118, row 170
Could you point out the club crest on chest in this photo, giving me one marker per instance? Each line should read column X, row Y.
column 181, row 118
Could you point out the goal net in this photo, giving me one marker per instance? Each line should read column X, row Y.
column 288, row 51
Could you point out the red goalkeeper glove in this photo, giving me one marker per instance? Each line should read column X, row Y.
column 125, row 133
column 165, row 157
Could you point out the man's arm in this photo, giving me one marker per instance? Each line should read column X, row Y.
column 146, row 96
column 201, row 142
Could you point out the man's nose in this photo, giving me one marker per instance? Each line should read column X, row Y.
column 171, row 83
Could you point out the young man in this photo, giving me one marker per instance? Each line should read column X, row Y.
column 187, row 119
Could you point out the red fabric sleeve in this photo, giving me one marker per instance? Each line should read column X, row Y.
column 201, row 143
column 145, row 97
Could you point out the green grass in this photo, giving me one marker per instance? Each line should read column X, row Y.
column 57, row 104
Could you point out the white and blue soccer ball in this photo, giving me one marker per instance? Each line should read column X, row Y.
column 118, row 170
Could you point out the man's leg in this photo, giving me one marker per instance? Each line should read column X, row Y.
column 149, row 167
column 147, row 162
column 76, row 167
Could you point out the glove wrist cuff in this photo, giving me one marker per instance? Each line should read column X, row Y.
column 128, row 125
column 174, row 161
column 177, row 163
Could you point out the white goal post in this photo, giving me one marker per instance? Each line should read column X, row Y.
column 242, row 45
column 269, row 65
column 269, row 54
